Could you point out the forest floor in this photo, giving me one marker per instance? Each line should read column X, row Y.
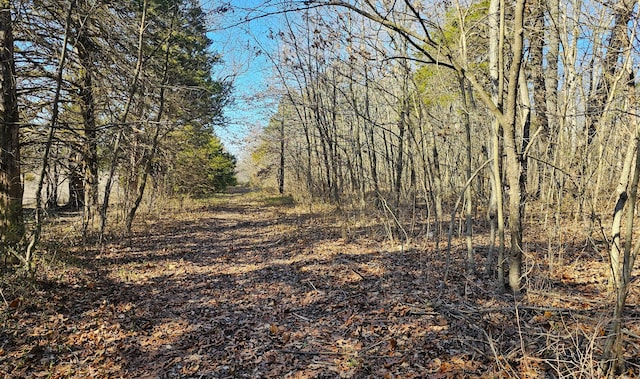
column 247, row 286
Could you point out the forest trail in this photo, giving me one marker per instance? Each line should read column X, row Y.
column 248, row 287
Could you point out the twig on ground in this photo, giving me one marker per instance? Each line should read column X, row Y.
column 302, row 317
column 312, row 286
column 357, row 273
column 3, row 298
column 378, row 343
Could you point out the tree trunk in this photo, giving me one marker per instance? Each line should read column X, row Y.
column 53, row 180
column 514, row 159
column 90, row 145
column 621, row 258
column 11, row 218
column 370, row 139
column 551, row 73
column 281, row 166
column 618, row 41
column 466, row 120
column 76, row 185
column 496, row 72
column 536, row 42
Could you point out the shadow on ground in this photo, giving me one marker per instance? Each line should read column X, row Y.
column 245, row 290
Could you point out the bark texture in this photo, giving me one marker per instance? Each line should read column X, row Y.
column 11, row 219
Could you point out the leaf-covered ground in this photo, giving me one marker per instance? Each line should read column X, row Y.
column 244, row 287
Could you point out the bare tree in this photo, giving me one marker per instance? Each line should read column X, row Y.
column 622, row 254
column 435, row 52
column 496, row 73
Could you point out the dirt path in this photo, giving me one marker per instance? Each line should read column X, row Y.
column 242, row 289
column 248, row 290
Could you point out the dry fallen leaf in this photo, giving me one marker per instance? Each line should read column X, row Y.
column 393, row 344
column 177, row 302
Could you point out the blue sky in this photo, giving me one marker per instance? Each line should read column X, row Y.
column 241, row 44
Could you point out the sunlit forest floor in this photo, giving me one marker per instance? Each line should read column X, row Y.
column 250, row 286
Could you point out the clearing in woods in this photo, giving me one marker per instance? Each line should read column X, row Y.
column 245, row 286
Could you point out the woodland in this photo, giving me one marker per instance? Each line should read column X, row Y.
column 445, row 189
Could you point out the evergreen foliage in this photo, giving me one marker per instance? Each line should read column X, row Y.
column 104, row 88
column 200, row 165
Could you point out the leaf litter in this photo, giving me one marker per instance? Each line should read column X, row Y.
column 247, row 290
